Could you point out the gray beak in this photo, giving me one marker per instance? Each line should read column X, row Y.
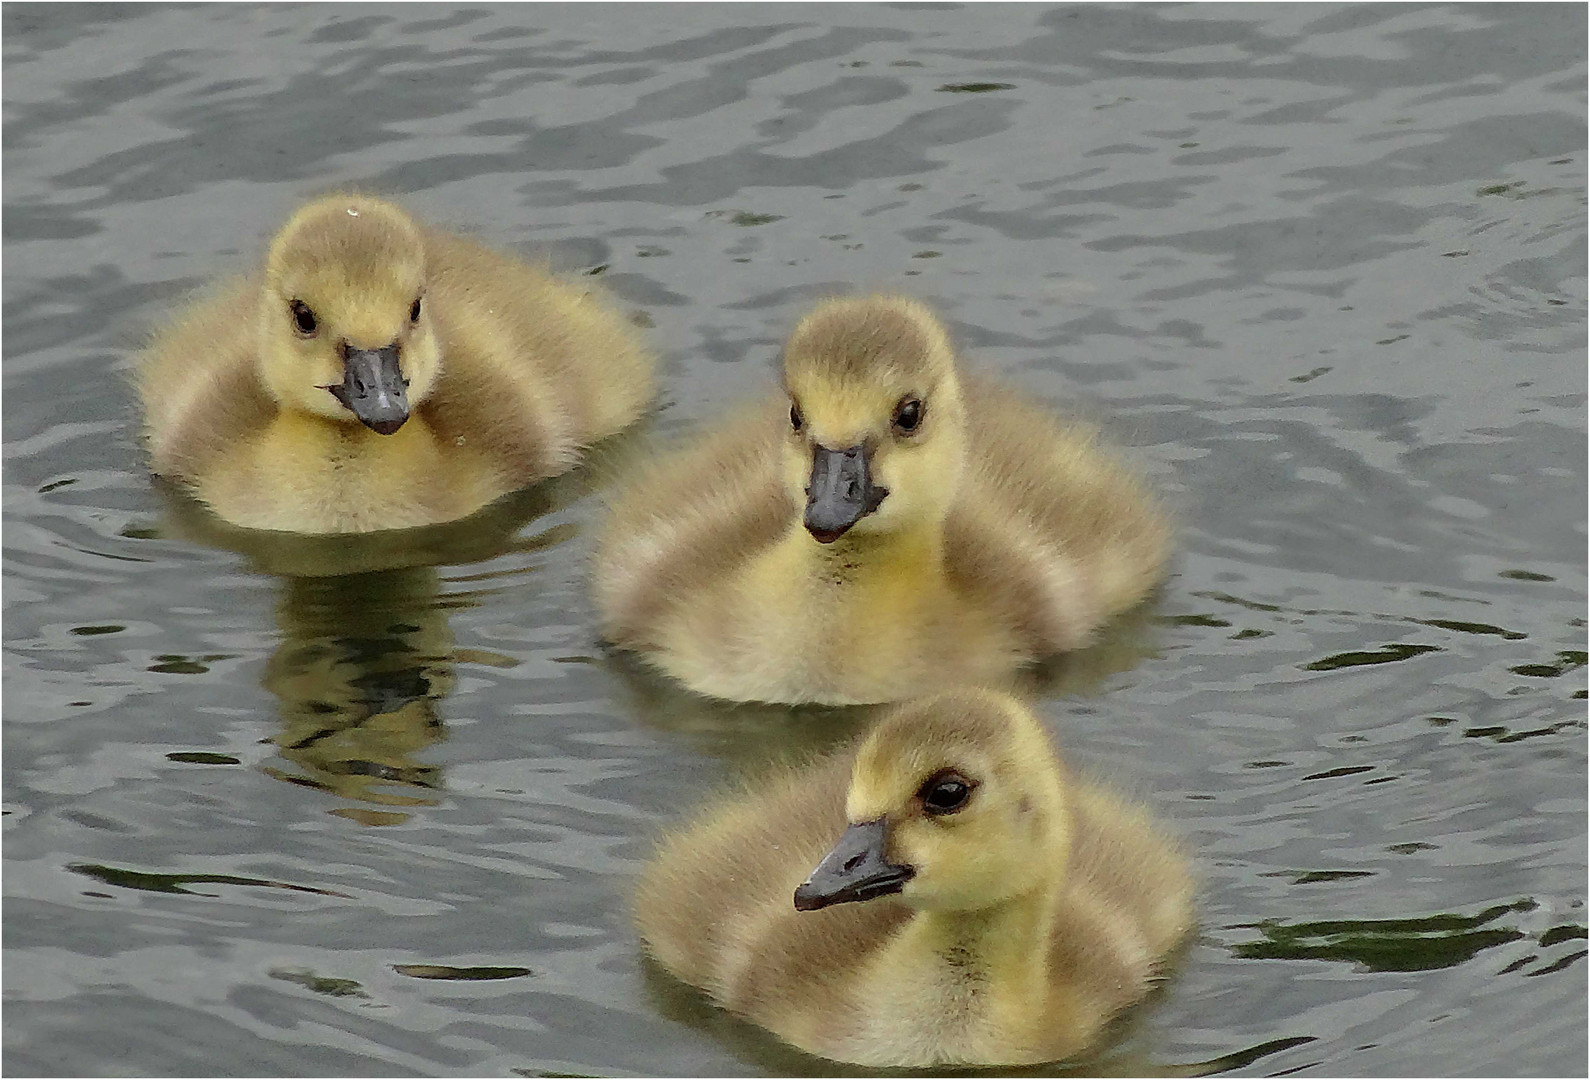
column 840, row 493
column 857, row 869
column 374, row 389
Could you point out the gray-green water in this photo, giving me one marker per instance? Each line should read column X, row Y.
column 1322, row 268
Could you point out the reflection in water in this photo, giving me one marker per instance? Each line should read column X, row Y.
column 486, row 534
column 483, row 535
column 319, row 984
column 753, row 738
column 1120, row 1053
column 1435, row 941
column 363, row 662
column 366, row 654
column 460, row 974
column 176, row 883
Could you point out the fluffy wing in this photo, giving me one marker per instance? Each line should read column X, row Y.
column 686, row 519
column 1051, row 526
column 199, row 383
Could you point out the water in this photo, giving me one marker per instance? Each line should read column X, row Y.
column 1321, row 269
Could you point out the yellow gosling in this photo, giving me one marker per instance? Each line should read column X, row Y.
column 378, row 374
column 888, row 527
column 945, row 894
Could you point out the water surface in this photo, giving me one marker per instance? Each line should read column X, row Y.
column 304, row 808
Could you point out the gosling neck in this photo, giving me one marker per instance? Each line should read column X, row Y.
column 1010, row 936
column 1005, row 933
column 1001, row 950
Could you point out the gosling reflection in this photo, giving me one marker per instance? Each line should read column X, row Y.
column 754, row 739
column 363, row 663
column 751, row 739
column 366, row 654
column 487, row 534
column 1130, row 1049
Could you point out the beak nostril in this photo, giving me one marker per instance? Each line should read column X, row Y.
column 839, row 492
column 374, row 389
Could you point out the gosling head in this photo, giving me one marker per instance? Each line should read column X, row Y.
column 876, row 424
column 956, row 803
column 344, row 329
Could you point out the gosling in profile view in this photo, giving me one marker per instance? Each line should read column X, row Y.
column 888, row 527
column 945, row 894
column 379, row 374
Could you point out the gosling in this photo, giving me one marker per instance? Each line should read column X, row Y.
column 378, row 374
column 887, row 527
column 945, row 894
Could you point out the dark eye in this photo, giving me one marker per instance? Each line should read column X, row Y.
column 945, row 793
column 796, row 420
column 907, row 415
column 303, row 318
column 414, row 312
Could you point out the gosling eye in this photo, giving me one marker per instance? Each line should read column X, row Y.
column 797, row 419
column 414, row 311
column 945, row 792
column 303, row 318
column 908, row 415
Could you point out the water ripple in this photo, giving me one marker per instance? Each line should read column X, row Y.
column 1319, row 268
